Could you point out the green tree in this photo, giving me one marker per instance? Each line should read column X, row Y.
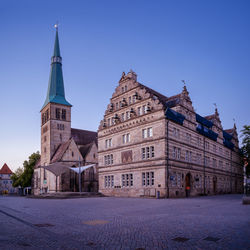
column 23, row 176
column 246, row 146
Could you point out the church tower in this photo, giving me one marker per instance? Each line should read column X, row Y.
column 56, row 111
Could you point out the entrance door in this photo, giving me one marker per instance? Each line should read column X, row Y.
column 188, row 184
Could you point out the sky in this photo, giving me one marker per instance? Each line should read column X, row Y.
column 205, row 43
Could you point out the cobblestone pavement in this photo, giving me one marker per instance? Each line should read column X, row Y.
column 215, row 222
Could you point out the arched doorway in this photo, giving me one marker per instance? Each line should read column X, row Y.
column 215, row 184
column 188, row 184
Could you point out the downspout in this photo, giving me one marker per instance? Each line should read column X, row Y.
column 231, row 186
column 204, row 169
column 167, row 180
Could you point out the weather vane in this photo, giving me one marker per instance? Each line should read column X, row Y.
column 215, row 105
column 184, row 82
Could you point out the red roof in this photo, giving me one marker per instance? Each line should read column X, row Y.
column 5, row 169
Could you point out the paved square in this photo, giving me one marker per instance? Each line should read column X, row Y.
column 215, row 222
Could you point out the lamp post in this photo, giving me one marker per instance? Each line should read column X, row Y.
column 79, row 175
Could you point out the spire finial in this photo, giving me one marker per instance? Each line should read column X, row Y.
column 56, row 25
column 184, row 87
column 234, row 123
column 216, row 110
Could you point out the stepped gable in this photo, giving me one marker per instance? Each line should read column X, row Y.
column 83, row 137
column 5, row 169
column 229, row 131
column 162, row 98
column 210, row 117
column 60, row 151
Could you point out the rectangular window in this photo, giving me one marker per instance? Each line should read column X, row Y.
column 139, row 110
column 207, row 161
column 123, row 117
column 214, row 163
column 125, row 138
column 198, row 141
column 207, row 145
column 108, row 159
column 109, row 122
column 129, row 100
column 64, row 114
column 127, row 180
column 108, row 143
column 143, row 153
column 147, row 133
column 150, row 132
column 178, row 153
column 188, row 156
column 144, row 109
column 148, row 179
column 127, row 115
column 109, row 181
column 214, row 148
column 134, row 98
column 176, row 133
column 58, row 111
column 174, row 152
column 188, row 138
column 148, row 152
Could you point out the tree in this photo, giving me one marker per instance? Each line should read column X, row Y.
column 246, row 147
column 23, row 176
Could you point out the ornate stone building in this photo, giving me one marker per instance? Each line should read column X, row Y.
column 63, row 147
column 153, row 145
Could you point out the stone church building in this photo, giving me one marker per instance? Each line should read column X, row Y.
column 63, row 148
column 151, row 145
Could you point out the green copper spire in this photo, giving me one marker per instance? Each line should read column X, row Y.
column 55, row 92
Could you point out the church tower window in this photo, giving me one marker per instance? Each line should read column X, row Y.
column 64, row 114
column 58, row 113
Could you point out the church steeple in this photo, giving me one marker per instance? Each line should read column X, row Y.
column 55, row 93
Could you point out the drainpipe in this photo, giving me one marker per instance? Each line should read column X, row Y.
column 167, row 162
column 231, row 186
column 204, row 168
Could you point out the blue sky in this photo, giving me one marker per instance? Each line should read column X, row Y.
column 207, row 43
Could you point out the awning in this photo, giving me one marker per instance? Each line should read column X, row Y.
column 82, row 168
column 58, row 168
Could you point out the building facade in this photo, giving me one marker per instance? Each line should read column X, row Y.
column 5, row 181
column 150, row 145
column 63, row 147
